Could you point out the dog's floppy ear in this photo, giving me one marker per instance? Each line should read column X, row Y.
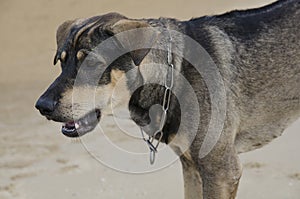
column 61, row 35
column 63, row 31
column 139, row 38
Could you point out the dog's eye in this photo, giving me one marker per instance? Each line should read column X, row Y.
column 92, row 61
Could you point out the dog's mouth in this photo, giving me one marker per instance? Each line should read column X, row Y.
column 83, row 125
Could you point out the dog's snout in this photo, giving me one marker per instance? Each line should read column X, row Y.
column 45, row 105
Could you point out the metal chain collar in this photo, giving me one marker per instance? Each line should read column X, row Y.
column 169, row 82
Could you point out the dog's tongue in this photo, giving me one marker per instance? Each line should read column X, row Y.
column 70, row 124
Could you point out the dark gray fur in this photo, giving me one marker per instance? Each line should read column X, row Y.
column 257, row 52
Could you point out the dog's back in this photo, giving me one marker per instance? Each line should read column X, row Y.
column 258, row 54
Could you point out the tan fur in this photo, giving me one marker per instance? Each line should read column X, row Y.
column 126, row 24
column 115, row 76
column 79, row 55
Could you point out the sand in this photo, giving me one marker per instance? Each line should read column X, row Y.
column 36, row 161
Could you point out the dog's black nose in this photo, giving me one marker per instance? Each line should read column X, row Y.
column 45, row 106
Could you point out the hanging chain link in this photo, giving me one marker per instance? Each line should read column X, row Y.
column 168, row 84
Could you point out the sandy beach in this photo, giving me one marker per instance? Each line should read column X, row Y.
column 37, row 161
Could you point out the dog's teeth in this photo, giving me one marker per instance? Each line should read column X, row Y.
column 76, row 125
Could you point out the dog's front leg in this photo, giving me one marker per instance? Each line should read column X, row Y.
column 192, row 179
column 220, row 174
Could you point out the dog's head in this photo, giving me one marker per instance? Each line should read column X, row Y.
column 75, row 40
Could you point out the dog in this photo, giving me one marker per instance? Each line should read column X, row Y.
column 256, row 52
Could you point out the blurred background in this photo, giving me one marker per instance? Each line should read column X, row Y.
column 36, row 161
